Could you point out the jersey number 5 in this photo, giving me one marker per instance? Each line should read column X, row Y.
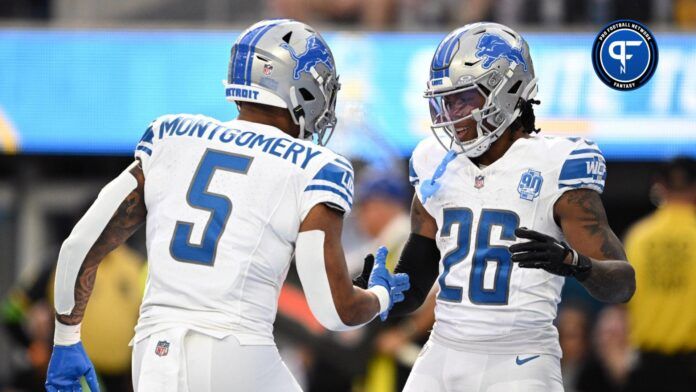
column 485, row 255
column 219, row 206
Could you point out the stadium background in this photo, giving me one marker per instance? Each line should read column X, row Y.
column 81, row 80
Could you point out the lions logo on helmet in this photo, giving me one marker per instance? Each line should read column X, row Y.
column 486, row 63
column 315, row 53
column 265, row 67
column 492, row 47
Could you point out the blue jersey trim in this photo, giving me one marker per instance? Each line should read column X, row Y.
column 586, row 150
column 576, row 139
column 583, row 185
column 336, row 175
column 345, row 164
column 329, row 189
column 575, row 169
column 144, row 149
column 148, row 135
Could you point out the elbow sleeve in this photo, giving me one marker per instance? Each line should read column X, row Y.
column 309, row 260
column 420, row 260
column 84, row 235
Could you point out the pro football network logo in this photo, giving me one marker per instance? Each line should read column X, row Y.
column 624, row 55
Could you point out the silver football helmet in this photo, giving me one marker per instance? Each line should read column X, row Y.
column 286, row 64
column 480, row 62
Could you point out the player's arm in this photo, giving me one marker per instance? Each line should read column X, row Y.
column 583, row 220
column 593, row 255
column 116, row 214
column 419, row 260
column 321, row 265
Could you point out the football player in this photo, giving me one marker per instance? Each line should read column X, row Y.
column 501, row 217
column 226, row 205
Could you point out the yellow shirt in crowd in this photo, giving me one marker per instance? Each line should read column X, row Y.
column 662, row 249
column 112, row 311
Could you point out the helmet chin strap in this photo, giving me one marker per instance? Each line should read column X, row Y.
column 301, row 121
column 482, row 143
column 298, row 118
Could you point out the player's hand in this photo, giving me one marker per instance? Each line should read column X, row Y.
column 549, row 254
column 395, row 284
column 68, row 364
column 364, row 277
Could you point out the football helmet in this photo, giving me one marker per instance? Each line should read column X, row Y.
column 286, row 64
column 480, row 62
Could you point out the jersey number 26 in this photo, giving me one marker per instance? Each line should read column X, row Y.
column 485, row 255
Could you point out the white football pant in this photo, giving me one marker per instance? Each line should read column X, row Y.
column 208, row 364
column 443, row 369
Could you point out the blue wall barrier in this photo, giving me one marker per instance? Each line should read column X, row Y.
column 95, row 92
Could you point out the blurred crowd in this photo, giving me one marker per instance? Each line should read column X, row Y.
column 362, row 14
column 647, row 345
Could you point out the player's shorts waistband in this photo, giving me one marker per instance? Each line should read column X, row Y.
column 529, row 342
column 145, row 328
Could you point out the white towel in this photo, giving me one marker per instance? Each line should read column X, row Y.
column 163, row 368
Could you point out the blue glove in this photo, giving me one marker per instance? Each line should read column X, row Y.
column 395, row 284
column 67, row 365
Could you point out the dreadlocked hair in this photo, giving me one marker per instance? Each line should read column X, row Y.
column 527, row 119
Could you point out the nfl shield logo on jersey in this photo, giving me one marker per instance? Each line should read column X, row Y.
column 478, row 182
column 162, row 348
column 530, row 185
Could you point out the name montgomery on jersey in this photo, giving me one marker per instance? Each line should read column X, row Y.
column 203, row 127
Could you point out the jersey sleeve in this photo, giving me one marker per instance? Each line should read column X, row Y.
column 144, row 148
column 584, row 167
column 420, row 165
column 412, row 174
column 331, row 184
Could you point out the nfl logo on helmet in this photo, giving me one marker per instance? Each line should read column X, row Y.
column 267, row 69
column 162, row 348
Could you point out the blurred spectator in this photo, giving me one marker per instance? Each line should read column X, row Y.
column 367, row 14
column 607, row 370
column 685, row 13
column 372, row 14
column 25, row 9
column 573, row 331
column 27, row 314
column 440, row 14
column 382, row 213
column 382, row 216
column 662, row 249
column 31, row 327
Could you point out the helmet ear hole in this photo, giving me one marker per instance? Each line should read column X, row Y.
column 515, row 87
column 306, row 95
column 483, row 88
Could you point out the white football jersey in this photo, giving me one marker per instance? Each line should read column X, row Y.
column 224, row 205
column 485, row 303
